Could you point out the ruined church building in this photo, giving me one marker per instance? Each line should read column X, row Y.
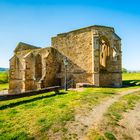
column 93, row 54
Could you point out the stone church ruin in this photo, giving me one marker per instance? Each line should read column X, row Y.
column 93, row 54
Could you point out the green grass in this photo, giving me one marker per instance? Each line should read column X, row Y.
column 3, row 80
column 131, row 79
column 95, row 135
column 131, row 76
column 37, row 116
column 109, row 135
column 3, row 77
column 4, row 86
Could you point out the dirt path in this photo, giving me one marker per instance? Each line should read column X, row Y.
column 131, row 124
column 84, row 122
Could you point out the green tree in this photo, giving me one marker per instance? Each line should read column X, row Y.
column 124, row 70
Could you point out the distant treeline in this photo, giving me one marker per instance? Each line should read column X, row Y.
column 4, row 69
column 124, row 70
column 4, row 75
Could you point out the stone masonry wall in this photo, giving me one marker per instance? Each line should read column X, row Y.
column 78, row 49
column 110, row 75
column 32, row 70
column 93, row 53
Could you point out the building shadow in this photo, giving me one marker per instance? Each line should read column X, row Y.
column 128, row 83
column 14, row 104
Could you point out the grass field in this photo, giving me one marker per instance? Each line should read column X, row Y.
column 40, row 116
column 131, row 79
column 4, row 86
column 31, row 117
column 3, row 77
column 3, row 80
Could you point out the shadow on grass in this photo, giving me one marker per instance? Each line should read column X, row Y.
column 111, row 93
column 10, row 105
column 127, row 83
column 3, row 82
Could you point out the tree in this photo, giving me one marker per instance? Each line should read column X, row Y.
column 124, row 70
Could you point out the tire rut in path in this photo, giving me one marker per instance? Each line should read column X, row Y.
column 131, row 123
column 84, row 122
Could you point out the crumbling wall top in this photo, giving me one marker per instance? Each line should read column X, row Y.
column 23, row 46
column 87, row 29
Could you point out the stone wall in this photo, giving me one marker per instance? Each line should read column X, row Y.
column 93, row 54
column 83, row 50
column 110, row 79
column 32, row 70
column 106, row 57
column 50, row 67
column 15, row 74
column 77, row 47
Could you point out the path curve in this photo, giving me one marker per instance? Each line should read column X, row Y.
column 83, row 123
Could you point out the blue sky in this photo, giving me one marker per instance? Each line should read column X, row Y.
column 36, row 21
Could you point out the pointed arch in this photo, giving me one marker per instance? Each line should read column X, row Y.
column 104, row 52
